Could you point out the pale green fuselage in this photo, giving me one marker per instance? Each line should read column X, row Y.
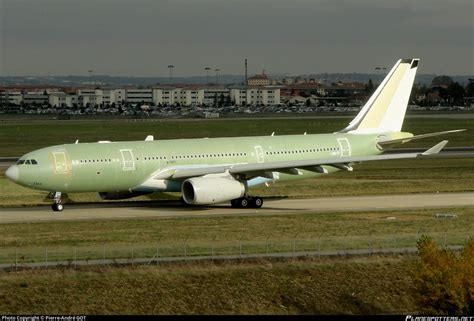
column 122, row 166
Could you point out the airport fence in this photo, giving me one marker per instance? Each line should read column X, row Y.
column 73, row 256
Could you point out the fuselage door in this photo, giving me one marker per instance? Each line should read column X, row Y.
column 344, row 146
column 60, row 163
column 259, row 153
column 128, row 160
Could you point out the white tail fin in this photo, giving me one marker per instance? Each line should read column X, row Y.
column 385, row 110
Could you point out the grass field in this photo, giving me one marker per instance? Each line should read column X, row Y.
column 353, row 286
column 328, row 231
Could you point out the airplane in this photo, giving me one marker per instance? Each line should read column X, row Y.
column 216, row 170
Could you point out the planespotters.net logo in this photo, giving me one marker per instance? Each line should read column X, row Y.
column 431, row 318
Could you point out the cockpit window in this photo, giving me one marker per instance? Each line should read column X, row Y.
column 27, row 162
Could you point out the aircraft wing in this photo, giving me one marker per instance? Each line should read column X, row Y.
column 289, row 167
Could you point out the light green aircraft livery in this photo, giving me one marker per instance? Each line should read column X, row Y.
column 217, row 170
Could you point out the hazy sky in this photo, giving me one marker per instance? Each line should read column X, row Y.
column 142, row 37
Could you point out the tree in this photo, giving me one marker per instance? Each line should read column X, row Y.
column 470, row 89
column 456, row 93
column 441, row 81
column 369, row 88
column 444, row 279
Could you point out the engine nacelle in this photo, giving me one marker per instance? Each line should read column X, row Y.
column 120, row 195
column 211, row 190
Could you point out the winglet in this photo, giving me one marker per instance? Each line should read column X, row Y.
column 435, row 149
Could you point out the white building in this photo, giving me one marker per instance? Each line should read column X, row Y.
column 36, row 97
column 13, row 97
column 163, row 95
column 255, row 95
column 119, row 95
column 87, row 100
column 138, row 96
column 183, row 96
column 104, row 96
column 216, row 97
column 57, row 99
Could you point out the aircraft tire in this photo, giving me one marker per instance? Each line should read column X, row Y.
column 257, row 202
column 243, row 202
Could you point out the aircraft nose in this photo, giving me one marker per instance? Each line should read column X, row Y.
column 12, row 173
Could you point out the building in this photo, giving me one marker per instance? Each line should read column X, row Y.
column 183, row 95
column 139, row 96
column 12, row 97
column 255, row 95
column 104, row 96
column 258, row 80
column 217, row 97
column 57, row 99
column 119, row 95
column 39, row 98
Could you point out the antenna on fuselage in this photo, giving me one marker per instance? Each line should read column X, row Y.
column 149, row 138
column 273, row 134
column 77, row 141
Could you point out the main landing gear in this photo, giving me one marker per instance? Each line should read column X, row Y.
column 57, row 205
column 247, row 202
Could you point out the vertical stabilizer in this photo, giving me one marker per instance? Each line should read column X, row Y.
column 385, row 110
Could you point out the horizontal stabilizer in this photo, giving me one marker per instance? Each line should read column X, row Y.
column 388, row 143
column 435, row 149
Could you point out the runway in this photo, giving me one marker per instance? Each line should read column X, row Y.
column 171, row 209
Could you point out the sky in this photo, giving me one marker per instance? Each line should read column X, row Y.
column 143, row 37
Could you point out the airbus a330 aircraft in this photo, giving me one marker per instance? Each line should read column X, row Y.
column 217, row 170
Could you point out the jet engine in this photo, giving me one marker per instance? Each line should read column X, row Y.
column 120, row 195
column 211, row 190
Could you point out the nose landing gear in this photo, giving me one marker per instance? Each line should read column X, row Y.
column 57, row 205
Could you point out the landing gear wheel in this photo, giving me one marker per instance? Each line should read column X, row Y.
column 243, row 202
column 57, row 205
column 247, row 202
column 257, row 202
